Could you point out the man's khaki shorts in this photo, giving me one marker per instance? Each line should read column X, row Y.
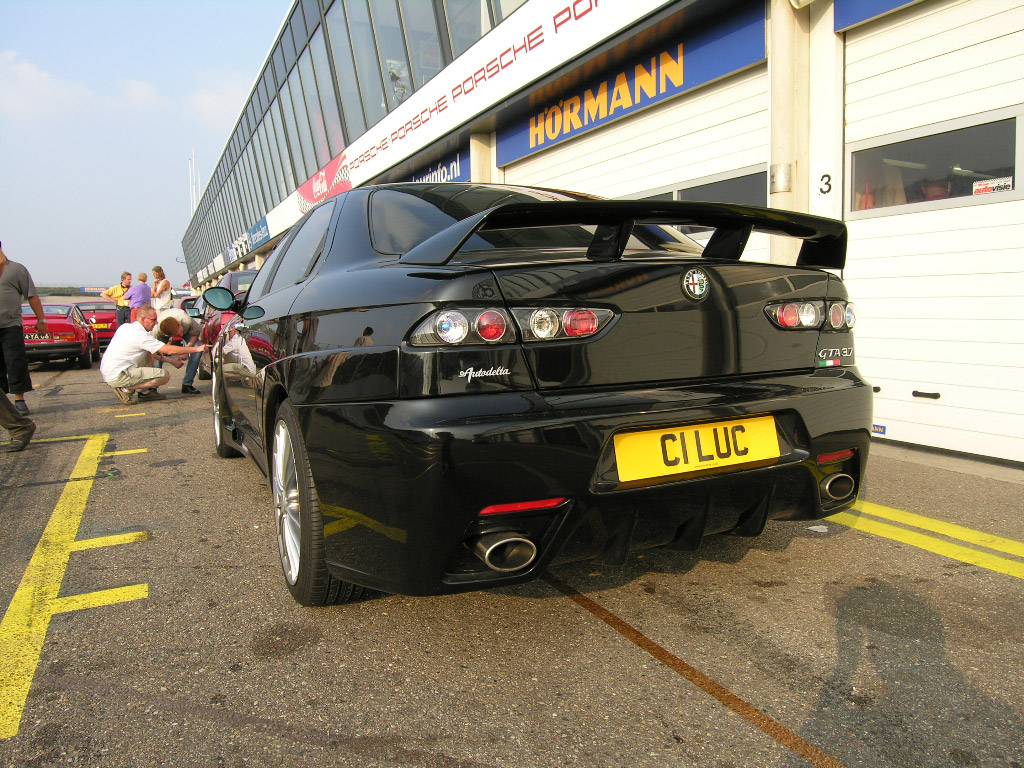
column 134, row 376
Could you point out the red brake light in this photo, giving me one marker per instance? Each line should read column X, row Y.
column 789, row 316
column 836, row 456
column 491, row 325
column 522, row 506
column 580, row 322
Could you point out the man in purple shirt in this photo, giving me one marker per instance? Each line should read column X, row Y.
column 138, row 295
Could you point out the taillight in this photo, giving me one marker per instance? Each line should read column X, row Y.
column 450, row 327
column 491, row 325
column 551, row 323
column 802, row 315
column 580, row 322
column 462, row 326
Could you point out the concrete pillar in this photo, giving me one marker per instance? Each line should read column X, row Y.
column 788, row 71
column 481, row 158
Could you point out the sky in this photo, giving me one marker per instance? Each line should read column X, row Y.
column 101, row 106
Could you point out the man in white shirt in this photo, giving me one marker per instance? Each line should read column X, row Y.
column 126, row 364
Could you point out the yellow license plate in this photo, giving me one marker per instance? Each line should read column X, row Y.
column 101, row 325
column 696, row 447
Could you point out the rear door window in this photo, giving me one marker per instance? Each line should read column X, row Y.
column 305, row 248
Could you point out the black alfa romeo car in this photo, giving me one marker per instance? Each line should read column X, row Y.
column 453, row 386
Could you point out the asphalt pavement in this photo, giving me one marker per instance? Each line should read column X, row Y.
column 147, row 624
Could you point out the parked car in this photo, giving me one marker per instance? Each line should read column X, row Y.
column 213, row 320
column 68, row 335
column 102, row 316
column 453, row 386
column 188, row 302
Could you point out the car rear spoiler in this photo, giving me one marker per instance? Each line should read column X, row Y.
column 824, row 239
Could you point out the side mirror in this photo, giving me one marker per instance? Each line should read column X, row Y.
column 219, row 298
column 192, row 312
column 253, row 313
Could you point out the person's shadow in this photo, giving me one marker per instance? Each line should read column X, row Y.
column 894, row 699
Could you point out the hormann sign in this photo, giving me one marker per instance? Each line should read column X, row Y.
column 697, row 58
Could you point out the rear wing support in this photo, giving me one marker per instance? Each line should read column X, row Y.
column 824, row 240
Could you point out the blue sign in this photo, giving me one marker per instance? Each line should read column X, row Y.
column 259, row 234
column 877, row 429
column 452, row 168
column 695, row 59
column 849, row 13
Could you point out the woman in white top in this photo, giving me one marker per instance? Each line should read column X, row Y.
column 161, row 290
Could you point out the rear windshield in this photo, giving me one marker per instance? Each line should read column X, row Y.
column 48, row 309
column 401, row 219
column 98, row 306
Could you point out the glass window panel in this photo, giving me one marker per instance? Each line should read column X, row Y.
column 264, row 94
column 287, row 171
column 967, row 162
column 367, row 64
column 266, row 180
column 468, row 21
column 506, row 7
column 346, row 71
column 288, row 47
column 299, row 30
column 271, row 160
column 279, row 66
column 332, row 118
column 312, row 13
column 422, row 38
column 302, row 125
column 745, row 190
column 391, row 42
column 292, row 132
column 316, row 118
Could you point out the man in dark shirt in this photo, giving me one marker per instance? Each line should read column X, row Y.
column 16, row 286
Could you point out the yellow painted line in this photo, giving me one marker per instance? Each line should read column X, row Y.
column 931, row 544
column 971, row 536
column 24, row 626
column 129, row 415
column 125, row 453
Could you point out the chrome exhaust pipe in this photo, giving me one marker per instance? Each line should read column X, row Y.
column 838, row 486
column 504, row 551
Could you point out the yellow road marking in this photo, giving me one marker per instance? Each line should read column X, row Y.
column 932, row 544
column 129, row 415
column 125, row 453
column 971, row 536
column 37, row 600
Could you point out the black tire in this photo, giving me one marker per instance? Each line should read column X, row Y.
column 85, row 359
column 224, row 449
column 205, row 368
column 298, row 521
column 96, row 354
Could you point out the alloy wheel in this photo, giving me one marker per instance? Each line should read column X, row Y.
column 286, row 501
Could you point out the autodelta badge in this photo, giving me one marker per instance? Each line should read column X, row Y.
column 696, row 284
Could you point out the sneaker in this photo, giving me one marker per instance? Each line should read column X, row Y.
column 18, row 443
column 21, row 407
column 151, row 395
column 188, row 389
column 123, row 394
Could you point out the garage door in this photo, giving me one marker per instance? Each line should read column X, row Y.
column 934, row 120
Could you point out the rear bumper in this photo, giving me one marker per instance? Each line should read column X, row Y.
column 62, row 350
column 401, row 483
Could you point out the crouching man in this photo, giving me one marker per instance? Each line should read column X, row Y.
column 127, row 364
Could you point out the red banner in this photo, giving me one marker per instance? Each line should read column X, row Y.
column 332, row 179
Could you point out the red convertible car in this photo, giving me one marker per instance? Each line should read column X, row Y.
column 68, row 335
column 102, row 316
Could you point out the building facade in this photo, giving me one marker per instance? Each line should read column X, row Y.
column 905, row 119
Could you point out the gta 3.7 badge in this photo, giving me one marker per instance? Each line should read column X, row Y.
column 834, row 352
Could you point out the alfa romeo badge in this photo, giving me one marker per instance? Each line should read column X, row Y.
column 696, row 284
